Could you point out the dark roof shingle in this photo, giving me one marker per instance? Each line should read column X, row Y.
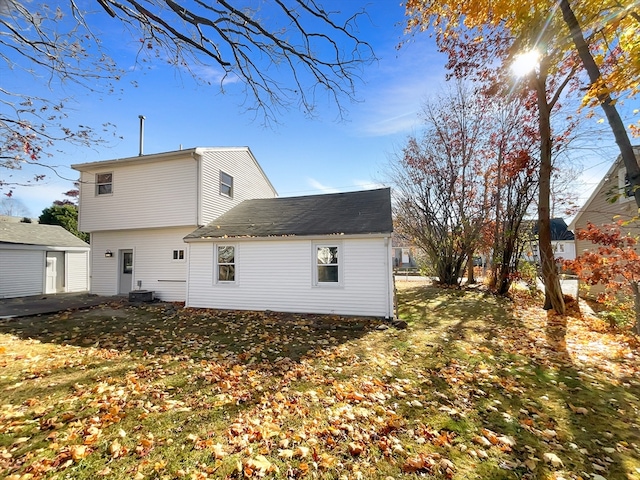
column 38, row 234
column 363, row 212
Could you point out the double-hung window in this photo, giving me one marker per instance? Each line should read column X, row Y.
column 327, row 265
column 226, row 185
column 225, row 263
column 104, row 183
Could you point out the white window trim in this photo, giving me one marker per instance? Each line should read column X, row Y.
column 98, row 184
column 179, row 260
column 314, row 260
column 230, row 195
column 216, row 279
column 622, row 191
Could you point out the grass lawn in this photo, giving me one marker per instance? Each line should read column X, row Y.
column 475, row 387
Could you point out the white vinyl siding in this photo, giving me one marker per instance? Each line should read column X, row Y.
column 77, row 271
column 278, row 275
column 145, row 195
column 153, row 263
column 248, row 181
column 22, row 272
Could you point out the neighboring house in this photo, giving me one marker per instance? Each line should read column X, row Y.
column 612, row 200
column 138, row 210
column 37, row 259
column 562, row 242
column 326, row 254
column 403, row 253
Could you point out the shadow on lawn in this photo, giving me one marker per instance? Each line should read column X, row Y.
column 546, row 402
column 169, row 329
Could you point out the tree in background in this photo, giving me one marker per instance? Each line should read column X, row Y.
column 286, row 53
column 498, row 36
column 13, row 207
column 615, row 263
column 440, row 183
column 514, row 175
column 64, row 215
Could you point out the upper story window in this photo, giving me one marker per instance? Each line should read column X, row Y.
column 624, row 186
column 104, row 183
column 178, row 255
column 327, row 265
column 226, row 184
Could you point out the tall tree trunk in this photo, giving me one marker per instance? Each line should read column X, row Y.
column 552, row 289
column 636, row 303
column 470, row 273
column 606, row 102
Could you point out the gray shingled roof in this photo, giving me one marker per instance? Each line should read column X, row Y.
column 339, row 213
column 37, row 234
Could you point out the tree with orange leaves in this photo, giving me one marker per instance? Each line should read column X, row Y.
column 615, row 263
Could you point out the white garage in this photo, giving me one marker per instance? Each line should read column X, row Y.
column 37, row 259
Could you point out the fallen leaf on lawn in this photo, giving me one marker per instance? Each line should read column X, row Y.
column 489, row 435
column 326, row 461
column 553, row 459
column 115, row 448
column 481, row 440
column 78, row 452
column 302, row 452
column 356, row 448
column 424, row 462
column 218, row 451
column 260, row 463
column 507, row 440
column 578, row 410
column 531, row 463
column 285, row 453
column 549, row 434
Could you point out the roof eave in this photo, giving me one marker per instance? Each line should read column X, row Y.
column 287, row 237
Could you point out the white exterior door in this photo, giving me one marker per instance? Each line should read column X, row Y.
column 55, row 272
column 126, row 272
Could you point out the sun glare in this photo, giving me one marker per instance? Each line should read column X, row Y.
column 525, row 63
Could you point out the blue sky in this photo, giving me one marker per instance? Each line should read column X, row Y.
column 300, row 156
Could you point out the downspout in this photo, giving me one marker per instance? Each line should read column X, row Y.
column 198, row 158
column 390, row 282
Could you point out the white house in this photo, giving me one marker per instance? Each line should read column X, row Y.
column 327, row 254
column 138, row 210
column 204, row 226
column 37, row 259
column 562, row 242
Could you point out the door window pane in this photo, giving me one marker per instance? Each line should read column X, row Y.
column 127, row 262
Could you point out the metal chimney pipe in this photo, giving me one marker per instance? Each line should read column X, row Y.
column 141, row 117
